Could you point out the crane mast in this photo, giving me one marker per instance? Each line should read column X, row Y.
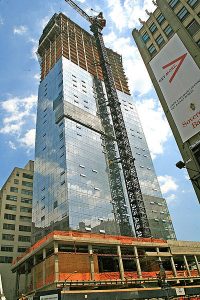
column 140, row 220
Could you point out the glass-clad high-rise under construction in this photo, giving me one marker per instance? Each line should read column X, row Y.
column 78, row 180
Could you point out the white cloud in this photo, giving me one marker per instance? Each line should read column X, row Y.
column 19, row 114
column 1, row 21
column 34, row 48
column 37, row 76
column 167, row 184
column 139, row 80
column 127, row 14
column 44, row 21
column 12, row 145
column 170, row 199
column 28, row 140
column 155, row 125
column 20, row 30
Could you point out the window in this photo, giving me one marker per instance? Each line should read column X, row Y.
column 27, row 183
column 160, row 19
column 24, row 238
column 24, row 228
column 14, row 189
column 168, row 30
column 25, row 219
column 26, row 200
column 6, row 259
column 9, row 217
column 183, row 13
column 21, row 249
column 42, row 218
column 145, row 37
column 198, row 43
column 193, row 27
column 55, row 204
column 11, row 207
column 193, row 3
column 153, row 28
column 29, row 176
column 8, row 237
column 173, row 3
column 11, row 197
column 61, row 136
column 25, row 209
column 27, row 192
column 9, row 226
column 152, row 49
column 7, row 248
column 160, row 40
column 16, row 181
column 60, row 84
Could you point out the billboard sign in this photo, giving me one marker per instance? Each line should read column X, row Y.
column 178, row 77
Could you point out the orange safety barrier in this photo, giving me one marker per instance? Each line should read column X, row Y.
column 194, row 273
column 149, row 274
column 189, row 297
column 122, row 239
column 74, row 276
column 107, row 276
column 130, row 275
column 169, row 274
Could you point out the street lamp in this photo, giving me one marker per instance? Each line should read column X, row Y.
column 195, row 179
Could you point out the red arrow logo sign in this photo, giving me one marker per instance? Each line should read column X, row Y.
column 180, row 59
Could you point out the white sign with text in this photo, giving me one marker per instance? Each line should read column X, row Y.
column 179, row 79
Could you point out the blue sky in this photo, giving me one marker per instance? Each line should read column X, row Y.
column 21, row 24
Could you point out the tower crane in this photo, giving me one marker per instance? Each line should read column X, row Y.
column 138, row 211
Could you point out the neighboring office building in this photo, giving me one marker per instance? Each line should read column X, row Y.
column 15, row 222
column 77, row 184
column 169, row 43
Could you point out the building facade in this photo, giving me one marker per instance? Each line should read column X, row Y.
column 15, row 222
column 78, row 183
column 97, row 264
column 169, row 43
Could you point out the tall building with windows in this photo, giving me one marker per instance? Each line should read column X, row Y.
column 169, row 43
column 78, row 182
column 15, row 222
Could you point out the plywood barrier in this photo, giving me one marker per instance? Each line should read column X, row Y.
column 50, row 269
column 38, row 275
column 71, row 262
